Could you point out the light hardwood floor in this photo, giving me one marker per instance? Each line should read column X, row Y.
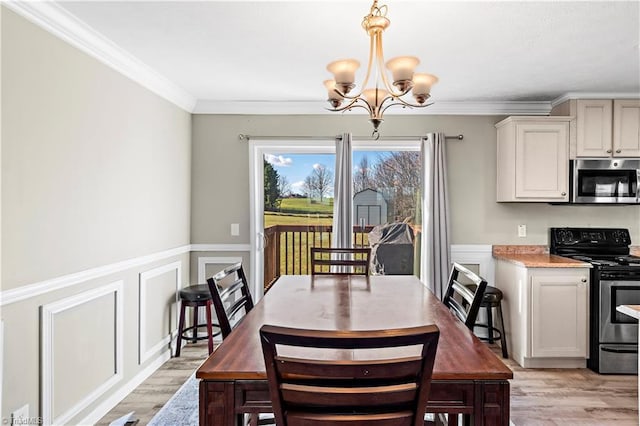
column 540, row 397
column 147, row 399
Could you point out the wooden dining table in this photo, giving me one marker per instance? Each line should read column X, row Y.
column 468, row 377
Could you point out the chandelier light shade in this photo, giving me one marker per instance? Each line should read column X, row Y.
column 382, row 94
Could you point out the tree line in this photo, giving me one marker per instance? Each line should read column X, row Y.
column 396, row 175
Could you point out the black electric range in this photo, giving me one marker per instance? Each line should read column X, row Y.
column 615, row 280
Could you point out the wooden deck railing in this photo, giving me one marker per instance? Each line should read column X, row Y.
column 287, row 248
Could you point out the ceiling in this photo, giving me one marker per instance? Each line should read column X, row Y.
column 268, row 56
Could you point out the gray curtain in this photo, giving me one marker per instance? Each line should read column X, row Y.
column 436, row 256
column 342, row 193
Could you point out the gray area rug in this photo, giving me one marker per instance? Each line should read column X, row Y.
column 182, row 408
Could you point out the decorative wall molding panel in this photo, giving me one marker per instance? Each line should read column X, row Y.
column 204, row 261
column 114, row 399
column 145, row 352
column 480, row 255
column 32, row 290
column 48, row 333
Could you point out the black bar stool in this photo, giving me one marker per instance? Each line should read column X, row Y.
column 196, row 296
column 492, row 299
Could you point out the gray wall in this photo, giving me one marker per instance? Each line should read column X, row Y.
column 219, row 156
column 96, row 175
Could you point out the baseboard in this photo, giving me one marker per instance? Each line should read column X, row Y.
column 107, row 405
column 554, row 363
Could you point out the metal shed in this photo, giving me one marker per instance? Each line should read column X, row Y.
column 369, row 208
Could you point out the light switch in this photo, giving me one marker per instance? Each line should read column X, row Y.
column 235, row 229
column 522, row 230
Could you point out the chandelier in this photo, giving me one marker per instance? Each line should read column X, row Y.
column 383, row 95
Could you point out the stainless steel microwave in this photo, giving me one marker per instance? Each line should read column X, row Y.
column 605, row 180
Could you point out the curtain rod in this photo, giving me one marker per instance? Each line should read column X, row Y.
column 244, row 137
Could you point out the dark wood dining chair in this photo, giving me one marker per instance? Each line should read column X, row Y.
column 231, row 296
column 340, row 261
column 322, row 390
column 462, row 298
column 232, row 301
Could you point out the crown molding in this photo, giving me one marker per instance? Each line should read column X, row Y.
column 62, row 24
column 594, row 95
column 319, row 108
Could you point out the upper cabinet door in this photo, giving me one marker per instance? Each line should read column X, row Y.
column 593, row 122
column 626, row 128
column 542, row 159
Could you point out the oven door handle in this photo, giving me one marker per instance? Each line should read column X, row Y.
column 619, row 350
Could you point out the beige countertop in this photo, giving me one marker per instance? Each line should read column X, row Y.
column 631, row 310
column 535, row 257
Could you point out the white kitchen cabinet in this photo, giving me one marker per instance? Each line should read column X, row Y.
column 546, row 313
column 594, row 119
column 533, row 159
column 607, row 128
column 626, row 128
column 559, row 314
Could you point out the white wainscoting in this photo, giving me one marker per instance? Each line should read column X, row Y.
column 145, row 352
column 476, row 254
column 114, row 399
column 49, row 311
column 204, row 261
column 36, row 289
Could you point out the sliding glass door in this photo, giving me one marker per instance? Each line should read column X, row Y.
column 292, row 204
column 386, row 200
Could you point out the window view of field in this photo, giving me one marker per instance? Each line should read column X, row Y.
column 298, row 206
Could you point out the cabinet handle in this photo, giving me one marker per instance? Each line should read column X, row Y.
column 563, row 193
column 584, row 280
column 618, row 151
column 608, row 151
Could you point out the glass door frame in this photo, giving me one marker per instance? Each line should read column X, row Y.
column 257, row 150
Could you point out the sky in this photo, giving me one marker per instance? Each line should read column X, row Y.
column 296, row 167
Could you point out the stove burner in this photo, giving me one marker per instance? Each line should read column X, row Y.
column 628, row 260
column 603, row 260
column 583, row 258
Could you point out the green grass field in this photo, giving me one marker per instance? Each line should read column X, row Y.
column 306, row 213
column 304, row 205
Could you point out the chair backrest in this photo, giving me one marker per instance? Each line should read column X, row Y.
column 341, row 261
column 463, row 299
column 374, row 390
column 230, row 293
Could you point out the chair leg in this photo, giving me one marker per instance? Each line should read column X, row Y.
column 209, row 327
column 180, row 328
column 490, row 324
column 503, row 338
column 195, row 324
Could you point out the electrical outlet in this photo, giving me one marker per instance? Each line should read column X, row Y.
column 20, row 416
column 235, row 229
column 522, row 230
